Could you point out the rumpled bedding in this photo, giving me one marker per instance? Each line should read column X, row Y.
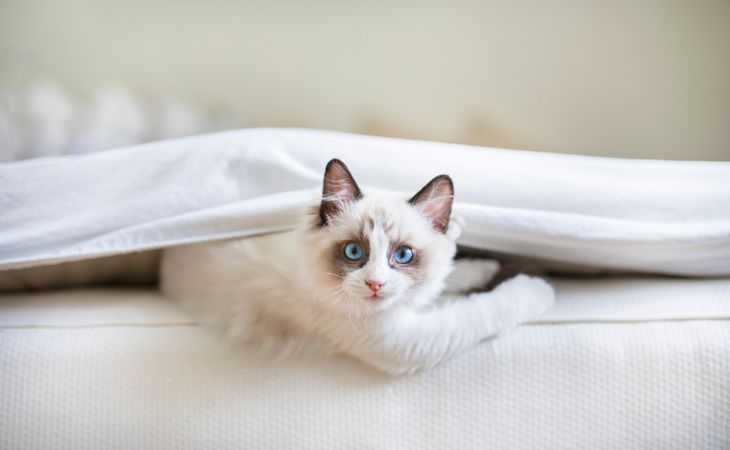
column 665, row 217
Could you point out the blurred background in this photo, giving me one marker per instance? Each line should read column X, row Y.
column 639, row 79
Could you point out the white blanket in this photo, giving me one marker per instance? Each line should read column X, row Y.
column 653, row 216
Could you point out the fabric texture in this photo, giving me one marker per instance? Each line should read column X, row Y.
column 651, row 216
column 113, row 368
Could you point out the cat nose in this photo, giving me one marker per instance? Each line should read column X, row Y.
column 374, row 284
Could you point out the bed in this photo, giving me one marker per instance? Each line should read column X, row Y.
column 639, row 362
column 635, row 354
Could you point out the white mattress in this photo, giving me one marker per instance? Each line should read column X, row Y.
column 620, row 363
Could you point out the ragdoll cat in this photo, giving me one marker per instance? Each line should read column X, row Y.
column 371, row 276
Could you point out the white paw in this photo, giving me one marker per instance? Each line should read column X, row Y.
column 471, row 274
column 526, row 297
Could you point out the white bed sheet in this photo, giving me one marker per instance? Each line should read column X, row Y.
column 670, row 217
column 619, row 363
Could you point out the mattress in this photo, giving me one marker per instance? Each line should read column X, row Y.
column 636, row 362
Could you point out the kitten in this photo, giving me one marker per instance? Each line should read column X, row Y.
column 371, row 276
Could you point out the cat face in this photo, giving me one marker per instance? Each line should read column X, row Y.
column 374, row 251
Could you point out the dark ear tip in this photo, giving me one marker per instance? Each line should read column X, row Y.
column 334, row 162
column 446, row 179
column 441, row 182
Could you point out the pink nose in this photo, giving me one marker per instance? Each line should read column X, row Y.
column 374, row 285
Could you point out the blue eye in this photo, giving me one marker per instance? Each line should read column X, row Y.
column 403, row 255
column 353, row 251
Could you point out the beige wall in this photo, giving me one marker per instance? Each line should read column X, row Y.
column 645, row 78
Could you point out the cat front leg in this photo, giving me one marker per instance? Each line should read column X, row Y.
column 413, row 340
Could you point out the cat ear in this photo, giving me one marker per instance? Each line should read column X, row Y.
column 339, row 189
column 434, row 201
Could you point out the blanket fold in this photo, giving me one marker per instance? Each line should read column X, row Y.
column 670, row 217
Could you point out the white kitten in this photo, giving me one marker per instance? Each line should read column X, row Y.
column 364, row 275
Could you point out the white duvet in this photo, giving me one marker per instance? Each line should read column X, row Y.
column 652, row 216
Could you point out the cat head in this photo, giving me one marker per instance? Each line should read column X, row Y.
column 371, row 252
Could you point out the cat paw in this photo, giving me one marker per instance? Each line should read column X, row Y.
column 526, row 297
column 471, row 274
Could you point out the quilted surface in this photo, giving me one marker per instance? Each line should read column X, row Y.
column 126, row 369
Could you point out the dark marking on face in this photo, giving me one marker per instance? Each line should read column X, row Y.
column 388, row 227
column 340, row 265
column 413, row 269
column 366, row 227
